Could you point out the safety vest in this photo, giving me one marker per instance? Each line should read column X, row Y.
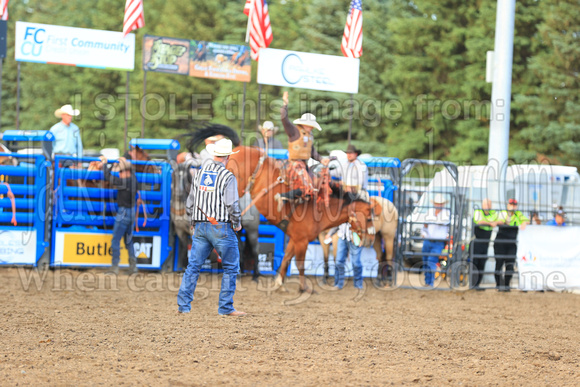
column 479, row 215
column 301, row 149
column 516, row 219
column 209, row 187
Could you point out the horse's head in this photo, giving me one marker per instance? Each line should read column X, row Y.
column 361, row 219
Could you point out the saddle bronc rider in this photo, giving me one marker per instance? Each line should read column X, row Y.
column 300, row 149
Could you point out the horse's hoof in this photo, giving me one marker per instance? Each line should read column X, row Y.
column 309, row 291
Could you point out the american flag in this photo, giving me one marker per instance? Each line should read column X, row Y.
column 353, row 34
column 4, row 9
column 259, row 27
column 134, row 17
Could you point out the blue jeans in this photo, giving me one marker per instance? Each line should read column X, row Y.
column 205, row 238
column 124, row 223
column 344, row 247
column 430, row 261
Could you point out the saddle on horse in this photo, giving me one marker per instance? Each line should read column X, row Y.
column 303, row 185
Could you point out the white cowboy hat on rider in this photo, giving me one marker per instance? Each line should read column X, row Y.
column 308, row 119
column 66, row 109
column 221, row 148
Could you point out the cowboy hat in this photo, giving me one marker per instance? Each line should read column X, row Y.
column 269, row 125
column 66, row 109
column 308, row 119
column 221, row 148
column 352, row 149
column 439, row 199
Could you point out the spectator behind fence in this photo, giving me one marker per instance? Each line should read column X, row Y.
column 434, row 234
column 126, row 185
column 559, row 219
column 485, row 220
column 67, row 136
column 535, row 218
column 505, row 245
column 268, row 141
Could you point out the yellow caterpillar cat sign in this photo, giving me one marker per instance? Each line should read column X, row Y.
column 94, row 249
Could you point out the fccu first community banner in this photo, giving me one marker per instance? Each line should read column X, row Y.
column 201, row 59
column 43, row 43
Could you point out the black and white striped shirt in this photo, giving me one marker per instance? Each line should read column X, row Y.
column 215, row 190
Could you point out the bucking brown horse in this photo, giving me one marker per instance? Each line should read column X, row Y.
column 306, row 220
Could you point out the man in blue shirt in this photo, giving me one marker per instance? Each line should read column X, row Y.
column 67, row 136
column 559, row 219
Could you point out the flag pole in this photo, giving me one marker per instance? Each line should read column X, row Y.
column 18, row 97
column 243, row 110
column 1, row 63
column 143, row 104
column 126, row 110
column 350, row 117
column 250, row 14
column 259, row 103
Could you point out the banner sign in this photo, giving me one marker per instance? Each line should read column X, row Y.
column 549, row 258
column 43, row 43
column 166, row 55
column 94, row 249
column 229, row 62
column 18, row 247
column 197, row 58
column 308, row 71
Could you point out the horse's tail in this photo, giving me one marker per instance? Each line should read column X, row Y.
column 196, row 137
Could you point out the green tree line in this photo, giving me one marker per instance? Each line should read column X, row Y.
column 422, row 86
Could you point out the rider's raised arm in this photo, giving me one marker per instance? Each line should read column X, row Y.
column 290, row 129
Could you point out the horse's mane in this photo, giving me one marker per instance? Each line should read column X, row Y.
column 201, row 132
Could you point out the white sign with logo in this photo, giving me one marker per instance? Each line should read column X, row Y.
column 18, row 247
column 44, row 43
column 549, row 258
column 308, row 71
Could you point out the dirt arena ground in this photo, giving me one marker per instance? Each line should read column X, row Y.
column 82, row 328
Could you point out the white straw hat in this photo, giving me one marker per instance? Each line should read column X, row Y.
column 269, row 125
column 308, row 119
column 66, row 109
column 220, row 148
column 439, row 199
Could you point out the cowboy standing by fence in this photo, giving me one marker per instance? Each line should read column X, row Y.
column 268, row 141
column 67, row 136
column 213, row 205
column 126, row 185
column 300, row 150
column 434, row 233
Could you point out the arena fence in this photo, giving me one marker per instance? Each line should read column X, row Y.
column 25, row 199
column 84, row 215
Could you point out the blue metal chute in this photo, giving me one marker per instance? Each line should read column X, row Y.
column 154, row 144
column 27, row 135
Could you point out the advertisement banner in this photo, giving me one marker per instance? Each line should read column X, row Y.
column 230, row 62
column 17, row 247
column 549, row 258
column 44, row 43
column 166, row 55
column 308, row 71
column 94, row 249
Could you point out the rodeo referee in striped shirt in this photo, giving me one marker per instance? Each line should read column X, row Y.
column 213, row 204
